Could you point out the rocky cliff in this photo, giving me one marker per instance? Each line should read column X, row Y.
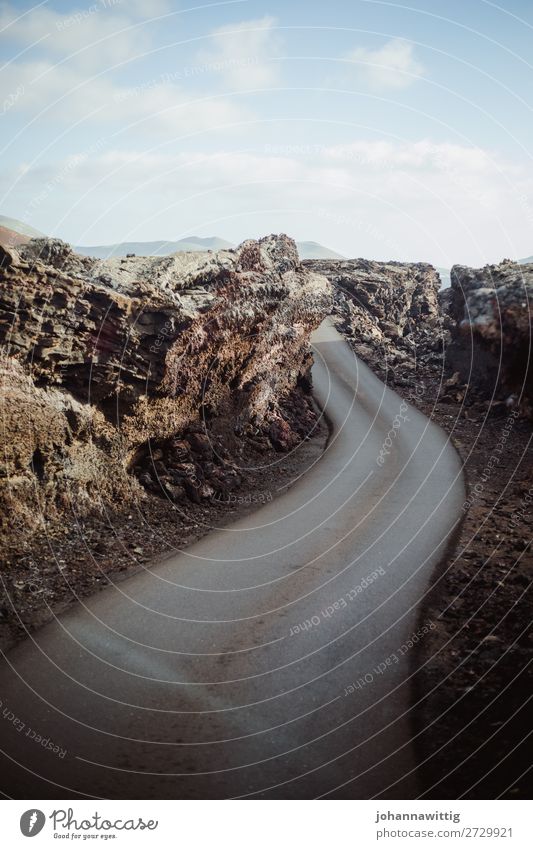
column 112, row 367
column 490, row 309
column 389, row 310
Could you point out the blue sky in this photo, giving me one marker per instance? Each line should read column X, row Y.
column 381, row 129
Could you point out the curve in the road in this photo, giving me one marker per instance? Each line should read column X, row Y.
column 272, row 658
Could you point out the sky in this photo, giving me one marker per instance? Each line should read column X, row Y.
column 387, row 130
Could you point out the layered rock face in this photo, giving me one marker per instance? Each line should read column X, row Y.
column 103, row 359
column 491, row 338
column 386, row 308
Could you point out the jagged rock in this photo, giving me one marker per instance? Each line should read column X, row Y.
column 58, row 454
column 387, row 299
column 200, row 444
column 106, row 359
column 175, row 491
column 52, row 252
column 491, row 346
column 389, row 310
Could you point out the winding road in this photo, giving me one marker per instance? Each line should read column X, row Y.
column 272, row 659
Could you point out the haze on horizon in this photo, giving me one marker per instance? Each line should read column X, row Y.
column 373, row 128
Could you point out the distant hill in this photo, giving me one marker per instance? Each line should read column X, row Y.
column 159, row 248
column 19, row 227
column 526, row 260
column 307, row 250
column 312, row 250
column 11, row 237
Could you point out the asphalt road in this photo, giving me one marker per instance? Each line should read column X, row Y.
column 225, row 671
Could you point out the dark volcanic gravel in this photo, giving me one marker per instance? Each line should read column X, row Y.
column 472, row 712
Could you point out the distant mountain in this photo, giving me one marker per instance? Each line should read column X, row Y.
column 307, row 250
column 12, row 238
column 526, row 260
column 312, row 250
column 159, row 248
column 19, row 227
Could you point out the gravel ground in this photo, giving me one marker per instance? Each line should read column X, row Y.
column 472, row 717
column 476, row 677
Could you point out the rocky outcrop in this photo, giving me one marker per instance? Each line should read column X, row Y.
column 389, row 310
column 104, row 360
column 388, row 299
column 491, row 338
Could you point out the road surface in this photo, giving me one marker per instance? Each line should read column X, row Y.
column 272, row 659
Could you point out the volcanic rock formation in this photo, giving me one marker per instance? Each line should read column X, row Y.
column 107, row 361
column 490, row 309
column 389, row 310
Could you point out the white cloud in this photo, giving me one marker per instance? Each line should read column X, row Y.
column 90, row 36
column 384, row 155
column 245, row 53
column 392, row 66
column 65, row 95
column 424, row 201
column 67, row 80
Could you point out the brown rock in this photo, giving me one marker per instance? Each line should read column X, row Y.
column 103, row 359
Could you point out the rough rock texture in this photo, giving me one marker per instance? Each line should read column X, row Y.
column 389, row 300
column 389, row 310
column 491, row 345
column 104, row 358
